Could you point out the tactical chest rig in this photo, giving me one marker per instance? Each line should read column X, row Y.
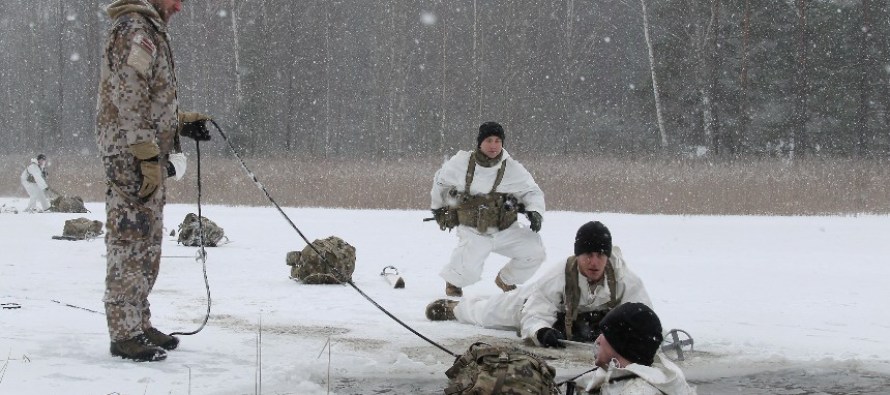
column 587, row 322
column 492, row 209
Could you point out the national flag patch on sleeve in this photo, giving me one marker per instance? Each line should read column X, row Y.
column 142, row 53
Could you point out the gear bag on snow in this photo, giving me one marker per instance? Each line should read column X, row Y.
column 80, row 229
column 336, row 267
column 190, row 236
column 67, row 204
column 487, row 370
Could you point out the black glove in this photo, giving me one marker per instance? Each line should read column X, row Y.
column 535, row 218
column 194, row 125
column 195, row 130
column 549, row 337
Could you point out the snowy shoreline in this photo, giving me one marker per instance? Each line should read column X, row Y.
column 784, row 299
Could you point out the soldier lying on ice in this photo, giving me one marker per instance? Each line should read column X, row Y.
column 568, row 302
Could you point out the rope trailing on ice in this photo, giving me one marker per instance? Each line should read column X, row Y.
column 201, row 255
column 294, row 226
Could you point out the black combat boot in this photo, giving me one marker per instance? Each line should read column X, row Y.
column 441, row 310
column 139, row 349
column 162, row 339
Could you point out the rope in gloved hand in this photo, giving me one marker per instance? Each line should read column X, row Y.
column 294, row 226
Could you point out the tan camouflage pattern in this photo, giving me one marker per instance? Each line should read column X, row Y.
column 137, row 99
column 67, row 204
column 136, row 103
column 190, row 235
column 336, row 267
column 491, row 210
column 82, row 228
column 133, row 235
column 487, row 369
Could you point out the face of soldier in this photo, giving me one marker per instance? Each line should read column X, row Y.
column 492, row 146
column 167, row 8
column 603, row 352
column 593, row 265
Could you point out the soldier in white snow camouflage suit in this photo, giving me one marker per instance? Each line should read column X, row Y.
column 137, row 129
column 33, row 179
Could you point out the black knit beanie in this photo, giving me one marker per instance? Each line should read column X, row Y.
column 41, row 157
column 634, row 331
column 593, row 237
column 488, row 129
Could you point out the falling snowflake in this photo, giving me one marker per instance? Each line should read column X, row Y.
column 427, row 18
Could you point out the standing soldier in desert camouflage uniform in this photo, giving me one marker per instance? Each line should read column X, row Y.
column 138, row 124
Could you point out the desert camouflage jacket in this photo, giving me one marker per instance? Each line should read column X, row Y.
column 137, row 99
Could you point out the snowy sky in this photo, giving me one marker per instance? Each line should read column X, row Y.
column 752, row 291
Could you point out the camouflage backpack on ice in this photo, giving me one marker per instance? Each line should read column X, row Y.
column 81, row 229
column 190, row 236
column 336, row 267
column 489, row 370
column 67, row 204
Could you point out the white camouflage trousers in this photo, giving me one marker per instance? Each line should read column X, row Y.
column 523, row 246
column 36, row 195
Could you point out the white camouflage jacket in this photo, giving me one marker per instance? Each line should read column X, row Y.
column 546, row 297
column 663, row 377
column 34, row 170
column 517, row 181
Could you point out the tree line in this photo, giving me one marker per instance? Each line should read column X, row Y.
column 334, row 78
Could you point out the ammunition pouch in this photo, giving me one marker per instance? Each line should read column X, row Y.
column 31, row 178
column 446, row 217
column 490, row 210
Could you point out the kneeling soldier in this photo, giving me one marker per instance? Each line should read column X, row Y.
column 481, row 192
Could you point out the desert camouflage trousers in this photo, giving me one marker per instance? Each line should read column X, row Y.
column 133, row 235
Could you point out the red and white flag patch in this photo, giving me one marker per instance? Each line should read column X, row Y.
column 145, row 43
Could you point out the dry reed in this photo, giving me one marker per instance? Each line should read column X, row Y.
column 598, row 184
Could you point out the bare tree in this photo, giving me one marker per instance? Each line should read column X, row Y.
column 744, row 114
column 659, row 118
column 864, row 65
column 801, row 83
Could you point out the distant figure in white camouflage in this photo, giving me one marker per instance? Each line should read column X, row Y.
column 137, row 130
column 34, row 181
column 481, row 192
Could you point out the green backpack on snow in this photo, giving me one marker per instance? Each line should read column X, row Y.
column 488, row 370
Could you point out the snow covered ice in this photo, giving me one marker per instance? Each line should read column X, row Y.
column 775, row 304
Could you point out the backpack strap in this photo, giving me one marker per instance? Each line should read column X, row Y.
column 573, row 291
column 613, row 285
column 500, row 177
column 471, row 171
column 572, row 294
column 503, row 359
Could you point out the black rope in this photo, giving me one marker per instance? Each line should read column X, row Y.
column 559, row 384
column 294, row 226
column 202, row 253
